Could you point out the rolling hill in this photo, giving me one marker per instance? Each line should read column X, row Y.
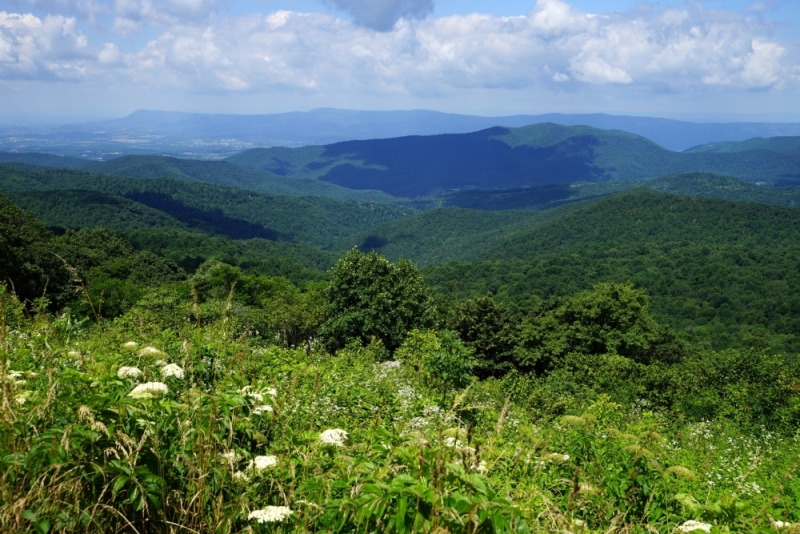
column 502, row 158
column 206, row 208
column 778, row 144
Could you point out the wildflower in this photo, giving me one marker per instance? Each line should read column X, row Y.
column 271, row 514
column 264, row 408
column 240, row 476
column 129, row 372
column 333, row 436
column 161, row 363
column 692, row 525
column 482, row 468
column 558, row 457
column 391, row 364
column 230, row 456
column 172, row 369
column 149, row 351
column 255, row 396
column 259, row 463
column 21, row 399
column 74, row 353
column 130, row 345
column 272, row 392
column 148, row 390
column 782, row 524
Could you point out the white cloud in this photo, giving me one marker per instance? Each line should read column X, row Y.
column 382, row 15
column 554, row 45
column 51, row 48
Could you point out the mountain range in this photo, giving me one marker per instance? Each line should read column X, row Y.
column 196, row 135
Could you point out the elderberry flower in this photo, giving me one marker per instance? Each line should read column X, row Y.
column 148, row 390
column 264, row 408
column 692, row 525
column 259, row 463
column 271, row 514
column 172, row 369
column 130, row 345
column 129, row 372
column 149, row 351
column 333, row 436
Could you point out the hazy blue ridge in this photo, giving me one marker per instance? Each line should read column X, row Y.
column 502, row 158
column 778, row 144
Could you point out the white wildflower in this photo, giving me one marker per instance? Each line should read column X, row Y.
column 482, row 468
column 271, row 514
column 74, row 353
column 692, row 525
column 255, row 396
column 172, row 369
column 161, row 363
column 21, row 399
column 149, row 351
column 272, row 392
column 129, row 372
column 783, row 524
column 239, row 475
column 264, row 408
column 130, row 345
column 391, row 364
column 333, row 436
column 230, row 456
column 148, row 390
column 259, row 463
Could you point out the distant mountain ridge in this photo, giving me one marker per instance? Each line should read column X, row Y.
column 215, row 136
column 502, row 158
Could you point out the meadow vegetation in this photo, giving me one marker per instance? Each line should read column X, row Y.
column 232, row 401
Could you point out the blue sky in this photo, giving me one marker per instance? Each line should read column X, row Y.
column 700, row 60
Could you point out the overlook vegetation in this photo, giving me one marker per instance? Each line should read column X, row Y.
column 187, row 356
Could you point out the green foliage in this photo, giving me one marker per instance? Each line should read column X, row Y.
column 612, row 320
column 440, row 357
column 490, row 329
column 370, row 297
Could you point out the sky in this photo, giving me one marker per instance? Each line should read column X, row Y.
column 66, row 60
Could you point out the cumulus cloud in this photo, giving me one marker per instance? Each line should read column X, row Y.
column 382, row 15
column 51, row 48
column 553, row 46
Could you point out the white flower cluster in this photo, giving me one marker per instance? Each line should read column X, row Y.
column 271, row 514
column 129, row 372
column 333, row 436
column 149, row 351
column 148, row 390
column 259, row 463
column 692, row 526
column 264, row 408
column 130, row 345
column 782, row 524
column 172, row 369
column 230, row 456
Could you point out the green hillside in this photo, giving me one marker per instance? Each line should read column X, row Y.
column 778, row 144
column 89, row 209
column 642, row 216
column 295, row 261
column 449, row 234
column 227, row 174
column 213, row 209
column 45, row 160
column 507, row 158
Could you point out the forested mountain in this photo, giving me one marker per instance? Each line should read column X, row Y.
column 207, row 208
column 224, row 173
column 643, row 216
column 538, row 155
column 778, row 144
column 449, row 234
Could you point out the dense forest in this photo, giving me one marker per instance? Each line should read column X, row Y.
column 188, row 356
